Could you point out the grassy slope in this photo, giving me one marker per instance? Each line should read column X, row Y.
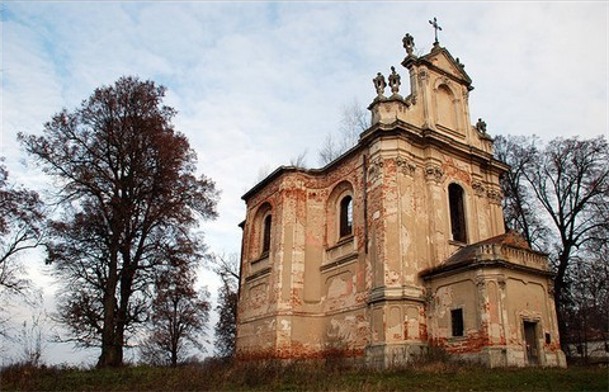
column 300, row 377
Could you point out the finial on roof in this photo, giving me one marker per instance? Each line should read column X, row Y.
column 408, row 42
column 379, row 84
column 436, row 27
column 394, row 82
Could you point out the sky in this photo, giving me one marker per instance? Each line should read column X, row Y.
column 258, row 83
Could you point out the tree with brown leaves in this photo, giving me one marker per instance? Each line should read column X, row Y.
column 130, row 201
column 21, row 219
column 179, row 317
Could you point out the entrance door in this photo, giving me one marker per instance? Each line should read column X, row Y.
column 530, row 338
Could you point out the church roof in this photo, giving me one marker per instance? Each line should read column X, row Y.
column 440, row 60
column 508, row 250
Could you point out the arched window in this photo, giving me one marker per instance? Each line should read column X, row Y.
column 457, row 213
column 346, row 216
column 266, row 234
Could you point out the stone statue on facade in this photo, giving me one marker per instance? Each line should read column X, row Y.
column 408, row 42
column 379, row 84
column 481, row 126
column 394, row 81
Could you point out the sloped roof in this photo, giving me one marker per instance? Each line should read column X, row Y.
column 509, row 250
column 441, row 60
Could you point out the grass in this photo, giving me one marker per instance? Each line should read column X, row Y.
column 300, row 376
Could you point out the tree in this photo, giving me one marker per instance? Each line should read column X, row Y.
column 179, row 318
column 21, row 215
column 568, row 180
column 354, row 120
column 227, row 268
column 130, row 201
column 299, row 161
column 519, row 204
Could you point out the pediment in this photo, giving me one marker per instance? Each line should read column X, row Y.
column 441, row 60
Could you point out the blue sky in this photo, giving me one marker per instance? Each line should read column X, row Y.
column 257, row 83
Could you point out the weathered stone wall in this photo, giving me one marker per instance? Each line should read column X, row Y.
column 312, row 278
column 495, row 303
column 315, row 291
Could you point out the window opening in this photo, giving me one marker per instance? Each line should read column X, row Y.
column 457, row 213
column 266, row 237
column 346, row 216
column 456, row 317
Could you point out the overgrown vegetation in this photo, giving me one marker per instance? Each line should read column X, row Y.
column 300, row 376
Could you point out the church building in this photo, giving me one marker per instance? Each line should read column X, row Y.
column 398, row 245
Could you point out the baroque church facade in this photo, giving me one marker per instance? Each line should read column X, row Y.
column 397, row 245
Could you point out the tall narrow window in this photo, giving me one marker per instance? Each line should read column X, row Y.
column 346, row 216
column 266, row 234
column 456, row 319
column 457, row 213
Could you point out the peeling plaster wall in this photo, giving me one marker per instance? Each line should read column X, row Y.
column 363, row 293
column 495, row 302
column 314, row 280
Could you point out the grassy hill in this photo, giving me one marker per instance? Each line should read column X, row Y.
column 299, row 376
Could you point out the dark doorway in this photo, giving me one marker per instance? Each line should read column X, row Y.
column 530, row 338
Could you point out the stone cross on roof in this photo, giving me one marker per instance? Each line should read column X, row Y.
column 436, row 27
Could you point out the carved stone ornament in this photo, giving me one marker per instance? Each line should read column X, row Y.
column 434, row 172
column 478, row 188
column 375, row 169
column 408, row 42
column 494, row 195
column 501, row 282
column 406, row 167
column 394, row 82
column 481, row 126
column 379, row 85
column 422, row 75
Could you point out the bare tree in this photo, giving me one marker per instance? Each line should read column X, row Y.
column 354, row 120
column 299, row 161
column 130, row 202
column 32, row 340
column 21, row 218
column 569, row 181
column 227, row 268
column 519, row 203
column 179, row 318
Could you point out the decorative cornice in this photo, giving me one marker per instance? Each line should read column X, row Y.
column 258, row 274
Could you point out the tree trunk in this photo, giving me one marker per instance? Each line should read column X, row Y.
column 111, row 355
column 560, row 290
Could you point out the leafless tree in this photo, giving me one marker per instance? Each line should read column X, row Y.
column 32, row 339
column 568, row 180
column 21, row 216
column 299, row 161
column 354, row 120
column 227, row 268
column 519, row 203
column 126, row 182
